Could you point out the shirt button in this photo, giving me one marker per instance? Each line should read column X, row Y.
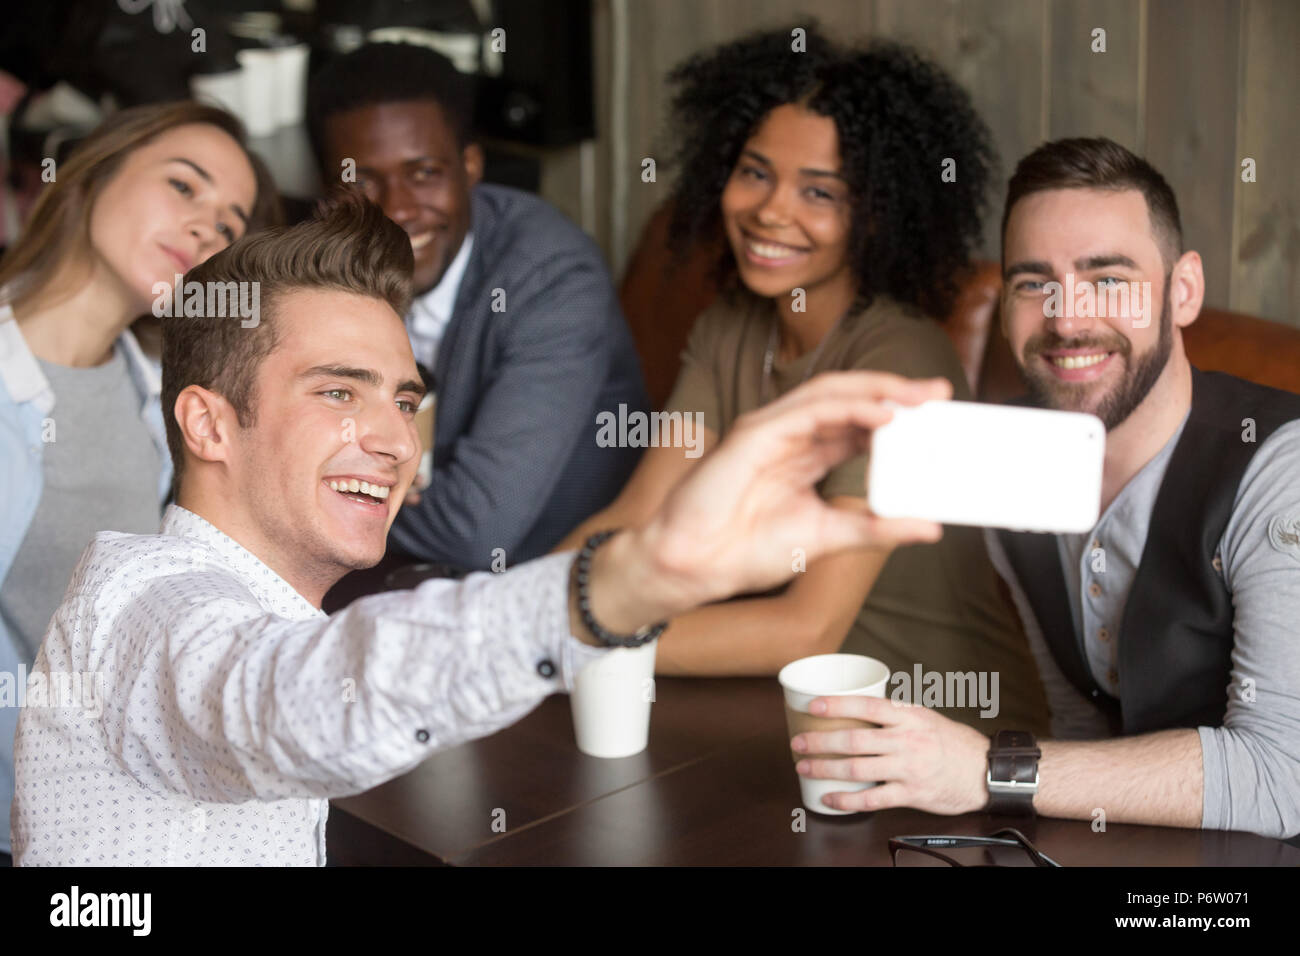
column 1095, row 543
column 1112, row 675
column 1094, row 589
column 1217, row 563
column 1103, row 635
column 546, row 668
column 422, row 735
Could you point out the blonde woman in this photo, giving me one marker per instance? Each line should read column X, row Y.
column 150, row 193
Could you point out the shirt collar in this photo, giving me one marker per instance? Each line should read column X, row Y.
column 437, row 304
column 1139, row 492
column 25, row 382
column 272, row 592
column 148, row 377
column 22, row 375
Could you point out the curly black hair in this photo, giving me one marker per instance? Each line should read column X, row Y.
column 898, row 117
column 379, row 73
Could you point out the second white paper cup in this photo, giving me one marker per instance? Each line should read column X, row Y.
column 611, row 702
column 224, row 89
column 260, row 102
column 290, row 83
column 826, row 675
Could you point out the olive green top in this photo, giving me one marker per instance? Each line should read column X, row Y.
column 937, row 605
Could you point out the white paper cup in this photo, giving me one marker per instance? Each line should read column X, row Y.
column 222, row 89
column 826, row 675
column 259, row 91
column 291, row 83
column 611, row 702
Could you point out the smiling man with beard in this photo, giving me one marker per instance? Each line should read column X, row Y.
column 1051, row 384
column 1166, row 635
column 513, row 314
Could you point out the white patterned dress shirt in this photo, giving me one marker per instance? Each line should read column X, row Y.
column 188, row 707
column 430, row 314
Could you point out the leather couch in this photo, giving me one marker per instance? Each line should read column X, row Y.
column 662, row 296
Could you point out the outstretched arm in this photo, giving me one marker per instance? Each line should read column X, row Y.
column 241, row 704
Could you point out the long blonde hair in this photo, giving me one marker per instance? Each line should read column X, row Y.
column 58, row 230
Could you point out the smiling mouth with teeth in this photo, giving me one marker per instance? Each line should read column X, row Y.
column 1079, row 361
column 360, row 490
column 772, row 251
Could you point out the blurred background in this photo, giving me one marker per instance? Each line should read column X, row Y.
column 577, row 100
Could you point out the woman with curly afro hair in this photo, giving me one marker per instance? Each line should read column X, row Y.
column 825, row 172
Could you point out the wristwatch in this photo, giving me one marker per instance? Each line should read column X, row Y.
column 1013, row 772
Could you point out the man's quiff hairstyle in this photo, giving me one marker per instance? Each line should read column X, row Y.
column 1099, row 163
column 350, row 247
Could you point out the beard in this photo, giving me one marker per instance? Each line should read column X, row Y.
column 1121, row 401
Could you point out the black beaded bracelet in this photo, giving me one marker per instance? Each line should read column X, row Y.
column 582, row 571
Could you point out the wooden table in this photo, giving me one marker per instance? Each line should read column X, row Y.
column 716, row 786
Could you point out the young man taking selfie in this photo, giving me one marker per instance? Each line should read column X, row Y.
column 228, row 708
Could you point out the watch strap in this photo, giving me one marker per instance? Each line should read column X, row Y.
column 1013, row 772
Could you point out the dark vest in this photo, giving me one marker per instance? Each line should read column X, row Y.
column 1176, row 634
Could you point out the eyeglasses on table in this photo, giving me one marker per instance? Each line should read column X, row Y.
column 1007, row 844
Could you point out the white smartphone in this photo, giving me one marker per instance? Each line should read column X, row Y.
column 996, row 466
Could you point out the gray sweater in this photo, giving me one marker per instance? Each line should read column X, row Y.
column 101, row 474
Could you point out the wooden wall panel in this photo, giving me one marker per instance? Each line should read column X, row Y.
column 1266, row 267
column 1191, row 124
column 1095, row 94
column 1194, row 84
column 994, row 48
column 600, row 35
